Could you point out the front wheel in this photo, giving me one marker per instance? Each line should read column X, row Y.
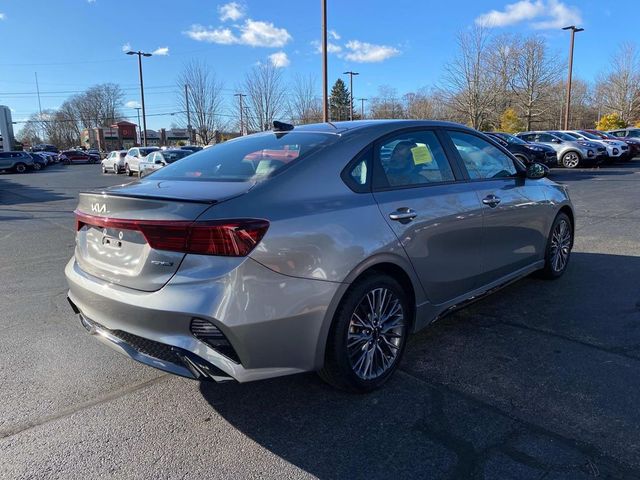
column 570, row 160
column 559, row 246
column 368, row 335
column 20, row 168
column 127, row 170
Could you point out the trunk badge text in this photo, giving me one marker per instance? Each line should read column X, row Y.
column 161, row 263
column 99, row 207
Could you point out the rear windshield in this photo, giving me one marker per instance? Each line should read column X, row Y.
column 146, row 151
column 255, row 157
column 171, row 156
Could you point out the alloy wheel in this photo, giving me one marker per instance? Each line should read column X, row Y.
column 571, row 160
column 376, row 332
column 560, row 246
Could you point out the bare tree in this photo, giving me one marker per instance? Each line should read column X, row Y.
column 266, row 96
column 619, row 89
column 535, row 73
column 501, row 62
column 98, row 106
column 386, row 104
column 418, row 105
column 304, row 105
column 468, row 86
column 205, row 99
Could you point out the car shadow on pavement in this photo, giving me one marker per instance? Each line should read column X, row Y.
column 14, row 193
column 603, row 171
column 531, row 382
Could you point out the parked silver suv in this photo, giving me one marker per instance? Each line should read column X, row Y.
column 19, row 162
column 320, row 247
column 571, row 151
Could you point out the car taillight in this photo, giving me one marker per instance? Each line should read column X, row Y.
column 229, row 238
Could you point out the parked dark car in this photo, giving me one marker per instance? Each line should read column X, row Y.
column 527, row 152
column 78, row 156
column 633, row 142
column 45, row 147
column 39, row 161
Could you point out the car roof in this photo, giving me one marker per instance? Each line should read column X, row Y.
column 343, row 127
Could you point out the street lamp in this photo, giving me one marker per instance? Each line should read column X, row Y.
column 325, row 85
column 573, row 29
column 351, row 74
column 144, row 117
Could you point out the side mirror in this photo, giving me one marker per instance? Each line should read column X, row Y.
column 536, row 171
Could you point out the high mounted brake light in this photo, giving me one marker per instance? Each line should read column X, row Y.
column 229, row 238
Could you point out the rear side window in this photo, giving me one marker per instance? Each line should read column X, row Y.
column 412, row 158
column 255, row 157
column 481, row 159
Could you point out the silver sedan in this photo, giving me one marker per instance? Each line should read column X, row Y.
column 314, row 248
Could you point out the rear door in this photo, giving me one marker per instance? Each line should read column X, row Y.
column 514, row 208
column 436, row 216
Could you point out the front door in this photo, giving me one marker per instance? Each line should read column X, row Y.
column 514, row 228
column 436, row 216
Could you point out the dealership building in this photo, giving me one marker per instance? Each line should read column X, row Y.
column 124, row 135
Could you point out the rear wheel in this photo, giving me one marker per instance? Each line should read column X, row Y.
column 570, row 160
column 20, row 168
column 368, row 335
column 127, row 170
column 559, row 246
column 37, row 166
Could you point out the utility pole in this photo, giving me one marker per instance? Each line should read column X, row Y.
column 144, row 116
column 351, row 74
column 240, row 95
column 362, row 100
column 325, row 85
column 138, row 110
column 39, row 107
column 186, row 97
column 573, row 29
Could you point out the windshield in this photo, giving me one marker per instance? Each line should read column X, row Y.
column 254, row 157
column 589, row 135
column 171, row 156
column 571, row 137
column 511, row 139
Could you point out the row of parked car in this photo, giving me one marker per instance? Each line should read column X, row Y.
column 571, row 148
column 144, row 160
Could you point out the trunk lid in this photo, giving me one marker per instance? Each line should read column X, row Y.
column 121, row 255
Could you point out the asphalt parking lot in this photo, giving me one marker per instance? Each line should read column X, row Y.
column 539, row 381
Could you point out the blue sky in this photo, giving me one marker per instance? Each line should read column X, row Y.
column 73, row 44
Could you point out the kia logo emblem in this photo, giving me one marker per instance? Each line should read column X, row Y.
column 98, row 208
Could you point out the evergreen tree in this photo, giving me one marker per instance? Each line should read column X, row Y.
column 339, row 101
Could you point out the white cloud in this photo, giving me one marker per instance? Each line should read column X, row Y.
column 231, row 11
column 91, row 1
column 550, row 13
column 331, row 47
column 263, row 34
column 126, row 47
column 363, row 52
column 253, row 33
column 333, row 34
column 132, row 104
column 161, row 51
column 279, row 59
column 2, row 16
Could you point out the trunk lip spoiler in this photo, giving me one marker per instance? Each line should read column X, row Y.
column 149, row 197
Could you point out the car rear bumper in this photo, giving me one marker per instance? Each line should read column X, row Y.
column 275, row 324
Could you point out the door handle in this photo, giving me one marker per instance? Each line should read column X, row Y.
column 491, row 200
column 403, row 215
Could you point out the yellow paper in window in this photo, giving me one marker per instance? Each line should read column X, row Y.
column 421, row 154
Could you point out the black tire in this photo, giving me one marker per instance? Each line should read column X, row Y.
column 127, row 170
column 338, row 369
column 104, row 169
column 37, row 166
column 116, row 169
column 550, row 271
column 20, row 168
column 571, row 159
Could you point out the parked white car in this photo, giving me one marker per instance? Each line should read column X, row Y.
column 133, row 158
column 114, row 162
column 616, row 149
column 162, row 158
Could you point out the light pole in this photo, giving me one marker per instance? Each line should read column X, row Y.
column 138, row 111
column 144, row 117
column 325, row 86
column 240, row 95
column 573, row 29
column 186, row 98
column 362, row 100
column 351, row 74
